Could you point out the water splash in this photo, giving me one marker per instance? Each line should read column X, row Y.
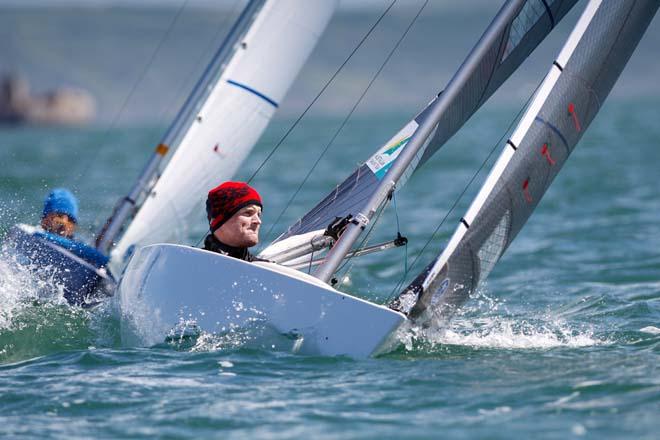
column 511, row 333
column 35, row 318
column 19, row 288
column 486, row 322
column 652, row 330
column 258, row 335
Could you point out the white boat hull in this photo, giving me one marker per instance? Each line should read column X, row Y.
column 166, row 285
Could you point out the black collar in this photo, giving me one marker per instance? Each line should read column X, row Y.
column 211, row 243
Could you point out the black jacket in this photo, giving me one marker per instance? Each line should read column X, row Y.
column 214, row 245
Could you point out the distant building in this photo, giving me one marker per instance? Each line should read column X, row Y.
column 60, row 106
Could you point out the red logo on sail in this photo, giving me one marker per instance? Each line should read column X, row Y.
column 545, row 152
column 525, row 188
column 576, row 121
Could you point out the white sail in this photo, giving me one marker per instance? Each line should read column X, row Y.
column 230, row 121
column 567, row 101
column 515, row 32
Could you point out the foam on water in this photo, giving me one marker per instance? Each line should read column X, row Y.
column 510, row 333
column 35, row 318
column 485, row 322
column 651, row 330
column 258, row 336
column 19, row 288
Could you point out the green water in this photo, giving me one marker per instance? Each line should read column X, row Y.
column 562, row 341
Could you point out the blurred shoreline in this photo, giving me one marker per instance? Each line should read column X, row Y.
column 139, row 63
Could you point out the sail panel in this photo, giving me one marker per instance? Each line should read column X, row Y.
column 579, row 89
column 349, row 196
column 230, row 121
column 501, row 61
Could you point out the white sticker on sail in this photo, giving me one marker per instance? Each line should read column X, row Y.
column 380, row 162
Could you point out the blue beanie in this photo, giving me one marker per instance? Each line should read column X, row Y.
column 61, row 201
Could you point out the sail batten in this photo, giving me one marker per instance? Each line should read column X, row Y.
column 562, row 109
column 491, row 62
column 128, row 206
column 228, row 120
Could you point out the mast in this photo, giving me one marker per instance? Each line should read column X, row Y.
column 128, row 205
column 567, row 101
column 415, row 147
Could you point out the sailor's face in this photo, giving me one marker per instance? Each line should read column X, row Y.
column 242, row 229
column 60, row 224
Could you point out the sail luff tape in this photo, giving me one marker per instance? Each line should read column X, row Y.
column 162, row 149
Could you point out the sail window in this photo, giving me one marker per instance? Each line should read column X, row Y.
column 527, row 17
column 493, row 247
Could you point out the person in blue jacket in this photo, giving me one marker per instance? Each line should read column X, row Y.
column 60, row 214
column 53, row 253
column 59, row 221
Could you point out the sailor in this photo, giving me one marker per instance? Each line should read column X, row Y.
column 54, row 254
column 234, row 213
column 60, row 214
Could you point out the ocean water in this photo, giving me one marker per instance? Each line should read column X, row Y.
column 562, row 341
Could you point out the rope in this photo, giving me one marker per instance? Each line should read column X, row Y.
column 318, row 95
column 470, row 182
column 114, row 122
column 362, row 244
column 176, row 97
column 398, row 232
column 181, row 92
column 346, row 119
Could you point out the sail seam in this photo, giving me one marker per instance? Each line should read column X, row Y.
column 532, row 112
column 549, row 11
column 254, row 92
column 553, row 128
column 500, row 50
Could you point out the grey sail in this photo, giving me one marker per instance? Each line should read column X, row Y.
column 529, row 23
column 572, row 93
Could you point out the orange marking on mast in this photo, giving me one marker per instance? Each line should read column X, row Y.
column 162, row 149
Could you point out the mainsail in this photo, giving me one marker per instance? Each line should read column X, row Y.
column 518, row 28
column 570, row 96
column 229, row 120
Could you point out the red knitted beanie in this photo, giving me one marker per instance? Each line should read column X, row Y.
column 227, row 199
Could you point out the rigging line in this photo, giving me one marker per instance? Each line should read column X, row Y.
column 181, row 90
column 179, row 97
column 472, row 179
column 327, row 84
column 398, row 232
column 143, row 73
column 396, row 213
column 347, row 118
column 201, row 239
column 362, row 244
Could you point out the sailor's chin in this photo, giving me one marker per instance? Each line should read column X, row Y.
column 251, row 241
